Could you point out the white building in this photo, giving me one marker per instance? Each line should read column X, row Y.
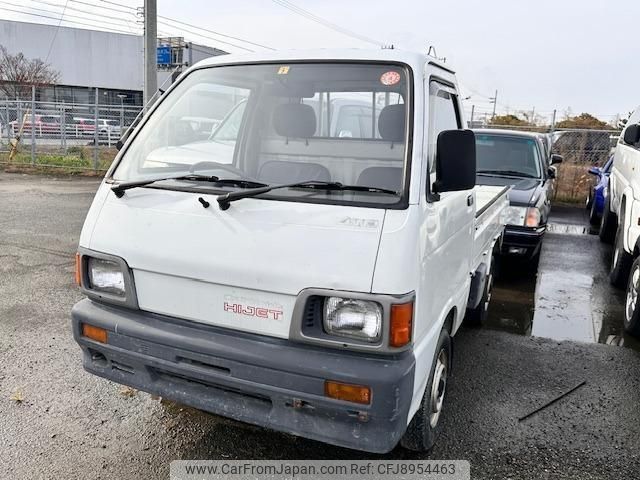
column 90, row 59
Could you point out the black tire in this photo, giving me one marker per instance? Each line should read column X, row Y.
column 476, row 317
column 426, row 425
column 632, row 301
column 594, row 218
column 620, row 261
column 608, row 223
column 590, row 199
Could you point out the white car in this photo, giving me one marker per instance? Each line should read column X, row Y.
column 307, row 280
column 621, row 220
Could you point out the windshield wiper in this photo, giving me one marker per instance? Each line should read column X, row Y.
column 120, row 188
column 506, row 173
column 224, row 201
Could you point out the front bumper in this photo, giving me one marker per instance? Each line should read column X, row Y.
column 523, row 241
column 255, row 379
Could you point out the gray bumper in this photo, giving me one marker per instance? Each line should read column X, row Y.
column 255, row 379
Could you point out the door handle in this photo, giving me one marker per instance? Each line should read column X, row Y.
column 470, row 200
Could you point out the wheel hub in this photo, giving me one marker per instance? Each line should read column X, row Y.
column 632, row 293
column 438, row 387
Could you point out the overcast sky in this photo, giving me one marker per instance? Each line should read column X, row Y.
column 546, row 54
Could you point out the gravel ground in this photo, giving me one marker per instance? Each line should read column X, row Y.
column 56, row 421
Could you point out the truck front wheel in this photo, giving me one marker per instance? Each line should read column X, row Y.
column 426, row 425
column 632, row 309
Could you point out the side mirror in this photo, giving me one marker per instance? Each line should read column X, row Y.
column 595, row 171
column 555, row 159
column 552, row 172
column 455, row 161
column 632, row 134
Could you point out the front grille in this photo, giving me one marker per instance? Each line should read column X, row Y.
column 313, row 311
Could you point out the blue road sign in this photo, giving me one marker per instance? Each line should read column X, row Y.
column 163, row 55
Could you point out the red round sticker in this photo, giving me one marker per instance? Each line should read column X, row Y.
column 390, row 78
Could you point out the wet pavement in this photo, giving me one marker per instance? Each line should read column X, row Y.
column 56, row 421
column 567, row 296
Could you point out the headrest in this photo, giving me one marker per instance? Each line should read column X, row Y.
column 391, row 122
column 382, row 177
column 294, row 120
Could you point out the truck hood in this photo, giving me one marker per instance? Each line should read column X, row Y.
column 524, row 191
column 189, row 154
column 218, row 267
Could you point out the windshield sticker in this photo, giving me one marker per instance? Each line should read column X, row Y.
column 284, row 70
column 390, row 78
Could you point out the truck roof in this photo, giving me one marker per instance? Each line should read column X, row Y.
column 414, row 59
column 511, row 133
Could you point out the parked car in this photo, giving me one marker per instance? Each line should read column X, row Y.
column 313, row 285
column 595, row 199
column 81, row 127
column 519, row 160
column 45, row 124
column 109, row 128
column 620, row 223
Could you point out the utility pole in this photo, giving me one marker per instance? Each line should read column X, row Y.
column 533, row 116
column 494, row 100
column 150, row 51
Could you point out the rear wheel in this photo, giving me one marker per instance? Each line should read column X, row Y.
column 607, row 223
column 477, row 316
column 632, row 309
column 621, row 261
column 426, row 425
column 594, row 218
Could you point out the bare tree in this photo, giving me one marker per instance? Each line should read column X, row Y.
column 18, row 74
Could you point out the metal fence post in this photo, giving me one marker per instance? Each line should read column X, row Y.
column 8, row 119
column 33, row 124
column 63, row 128
column 96, row 139
column 553, row 122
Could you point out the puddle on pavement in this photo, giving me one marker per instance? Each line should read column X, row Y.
column 569, row 304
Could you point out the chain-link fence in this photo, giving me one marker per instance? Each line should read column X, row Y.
column 61, row 135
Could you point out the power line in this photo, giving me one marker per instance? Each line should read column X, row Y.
column 217, row 33
column 107, row 29
column 68, row 15
column 55, row 33
column 316, row 18
column 213, row 32
column 205, row 36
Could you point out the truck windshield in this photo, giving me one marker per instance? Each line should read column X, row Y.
column 508, row 155
column 281, row 124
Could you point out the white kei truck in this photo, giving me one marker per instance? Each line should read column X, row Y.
column 620, row 221
column 289, row 269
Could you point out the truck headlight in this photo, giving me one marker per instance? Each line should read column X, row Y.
column 515, row 216
column 533, row 217
column 348, row 317
column 105, row 276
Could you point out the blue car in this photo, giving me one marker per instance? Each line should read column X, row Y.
column 595, row 200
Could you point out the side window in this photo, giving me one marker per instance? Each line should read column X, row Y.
column 443, row 115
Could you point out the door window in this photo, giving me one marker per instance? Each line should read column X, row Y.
column 443, row 115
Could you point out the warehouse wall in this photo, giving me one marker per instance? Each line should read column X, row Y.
column 83, row 57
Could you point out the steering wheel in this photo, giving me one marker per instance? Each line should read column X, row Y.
column 220, row 166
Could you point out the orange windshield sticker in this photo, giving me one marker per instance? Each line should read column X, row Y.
column 283, row 70
column 390, row 78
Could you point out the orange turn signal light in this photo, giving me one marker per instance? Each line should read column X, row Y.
column 94, row 333
column 348, row 393
column 78, row 270
column 400, row 325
